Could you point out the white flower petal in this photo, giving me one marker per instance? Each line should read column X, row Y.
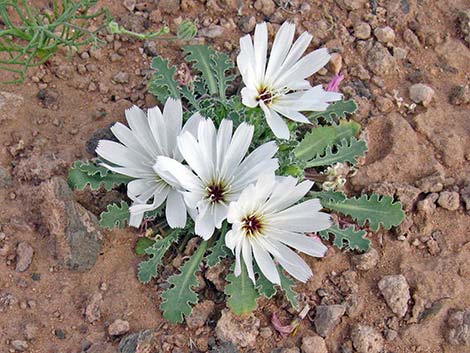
column 275, row 122
column 297, row 50
column 127, row 138
column 260, row 47
column 299, row 241
column 241, row 141
column 303, row 217
column 281, row 45
column 265, row 263
column 248, row 259
column 249, row 97
column 204, row 225
column 197, row 160
column 224, row 137
column 184, row 176
column 286, row 193
column 206, row 136
column 175, row 210
column 118, row 154
column 173, row 117
column 139, row 124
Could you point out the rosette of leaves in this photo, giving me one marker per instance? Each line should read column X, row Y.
column 204, row 83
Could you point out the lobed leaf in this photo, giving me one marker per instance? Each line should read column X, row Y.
column 163, row 83
column 115, row 216
column 316, row 141
column 149, row 269
column 264, row 286
column 347, row 238
column 202, row 58
column 92, row 169
column 335, row 111
column 287, row 285
column 330, row 195
column 241, row 292
column 142, row 245
column 221, row 63
column 374, row 209
column 346, row 151
column 79, row 179
column 177, row 300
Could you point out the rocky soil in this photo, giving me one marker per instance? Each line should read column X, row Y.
column 68, row 286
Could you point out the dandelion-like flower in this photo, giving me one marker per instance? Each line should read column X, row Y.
column 266, row 224
column 280, row 87
column 218, row 171
column 149, row 136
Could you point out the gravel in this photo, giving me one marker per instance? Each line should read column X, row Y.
column 267, row 7
column 118, row 328
column 459, row 95
column 367, row 261
column 449, row 200
column 19, row 345
column 379, row 60
column 140, row 342
column 366, row 339
column 327, row 317
column 313, row 344
column 384, row 34
column 93, row 308
column 241, row 331
column 362, row 30
column 458, row 327
column 75, row 230
column 200, row 314
column 421, row 93
column 396, row 293
column 24, row 256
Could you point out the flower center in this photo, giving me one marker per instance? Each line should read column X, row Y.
column 252, row 225
column 265, row 95
column 216, row 192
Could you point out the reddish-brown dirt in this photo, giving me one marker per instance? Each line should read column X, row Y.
column 61, row 104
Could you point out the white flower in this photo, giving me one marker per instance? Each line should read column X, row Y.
column 220, row 171
column 149, row 136
column 281, row 86
column 265, row 223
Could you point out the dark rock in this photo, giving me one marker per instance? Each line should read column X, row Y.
column 60, row 334
column 78, row 241
column 5, row 178
column 100, row 134
column 458, row 96
column 327, row 317
column 464, row 24
column 379, row 60
column 140, row 342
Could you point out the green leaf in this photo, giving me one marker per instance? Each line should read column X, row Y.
column 163, row 84
column 263, row 285
column 375, row 209
column 347, row 238
column 92, row 169
column 221, row 63
column 335, row 111
column 219, row 251
column 149, row 269
column 317, row 140
column 142, row 244
column 115, row 216
column 287, row 285
column 330, row 195
column 347, row 151
column 201, row 56
column 178, row 299
column 79, row 179
column 241, row 292
column 186, row 30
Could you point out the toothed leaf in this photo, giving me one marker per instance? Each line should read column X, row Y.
column 264, row 286
column 335, row 111
column 316, row 141
column 287, row 285
column 162, row 83
column 346, row 151
column 149, row 269
column 336, row 196
column 202, row 58
column 79, row 179
column 142, row 244
column 221, row 63
column 178, row 299
column 375, row 209
column 92, row 169
column 347, row 238
column 115, row 216
column 241, row 292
